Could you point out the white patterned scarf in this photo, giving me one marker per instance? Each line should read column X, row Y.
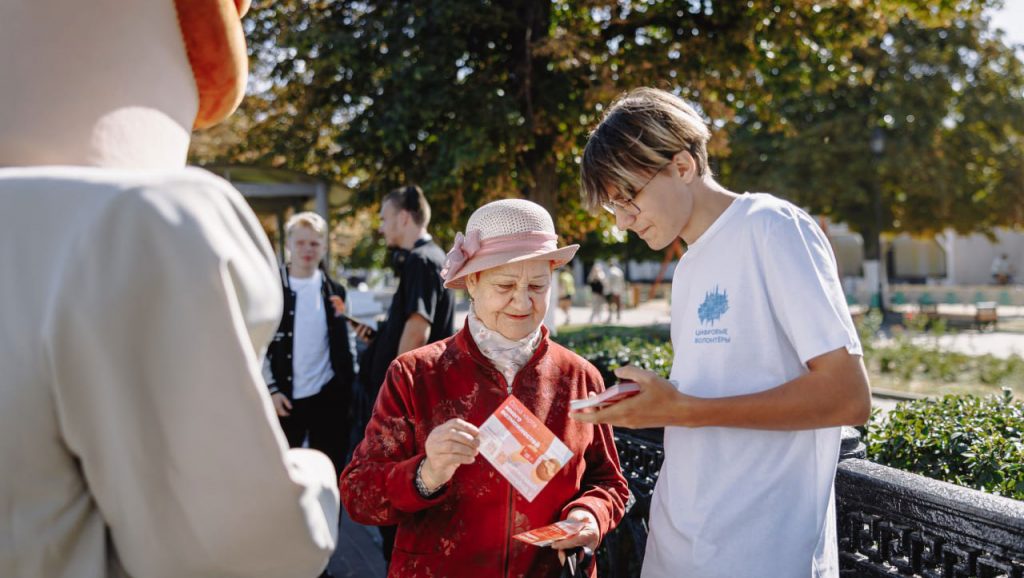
column 508, row 355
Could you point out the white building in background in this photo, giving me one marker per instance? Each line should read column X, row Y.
column 969, row 259
column 956, row 268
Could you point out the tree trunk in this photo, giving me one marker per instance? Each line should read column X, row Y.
column 528, row 69
column 545, row 191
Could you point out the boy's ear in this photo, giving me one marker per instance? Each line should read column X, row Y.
column 686, row 165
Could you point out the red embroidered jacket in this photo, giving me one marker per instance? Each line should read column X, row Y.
column 467, row 530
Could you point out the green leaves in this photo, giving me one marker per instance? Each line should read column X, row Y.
column 950, row 97
column 609, row 348
column 482, row 100
column 970, row 441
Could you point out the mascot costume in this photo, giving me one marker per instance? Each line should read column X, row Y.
column 137, row 297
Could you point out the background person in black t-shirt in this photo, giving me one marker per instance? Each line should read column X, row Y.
column 422, row 310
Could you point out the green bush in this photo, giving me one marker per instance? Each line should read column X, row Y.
column 970, row 441
column 612, row 347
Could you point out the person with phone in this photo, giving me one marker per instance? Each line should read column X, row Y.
column 310, row 365
column 767, row 366
column 422, row 310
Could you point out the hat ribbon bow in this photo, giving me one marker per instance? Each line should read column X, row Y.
column 465, row 247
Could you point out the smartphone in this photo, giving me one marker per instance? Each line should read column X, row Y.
column 371, row 332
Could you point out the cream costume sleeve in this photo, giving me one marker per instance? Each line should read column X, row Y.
column 156, row 331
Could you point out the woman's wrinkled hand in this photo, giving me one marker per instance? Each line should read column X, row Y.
column 449, row 445
column 589, row 536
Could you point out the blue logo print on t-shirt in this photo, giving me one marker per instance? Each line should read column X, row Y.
column 715, row 304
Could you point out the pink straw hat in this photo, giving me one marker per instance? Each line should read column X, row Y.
column 502, row 232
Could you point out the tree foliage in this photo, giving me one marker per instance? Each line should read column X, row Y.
column 481, row 100
column 949, row 96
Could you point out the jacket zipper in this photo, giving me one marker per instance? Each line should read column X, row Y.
column 508, row 534
column 508, row 513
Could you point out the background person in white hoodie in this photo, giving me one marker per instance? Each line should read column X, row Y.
column 137, row 437
column 767, row 361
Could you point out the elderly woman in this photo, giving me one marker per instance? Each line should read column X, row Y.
column 419, row 465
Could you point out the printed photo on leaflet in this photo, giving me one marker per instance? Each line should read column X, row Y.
column 522, row 448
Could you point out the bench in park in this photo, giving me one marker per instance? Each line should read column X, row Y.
column 986, row 315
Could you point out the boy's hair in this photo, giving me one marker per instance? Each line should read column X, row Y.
column 307, row 219
column 641, row 132
column 412, row 200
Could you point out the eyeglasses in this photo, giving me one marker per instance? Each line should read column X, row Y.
column 627, row 205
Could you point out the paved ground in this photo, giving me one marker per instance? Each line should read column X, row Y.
column 358, row 554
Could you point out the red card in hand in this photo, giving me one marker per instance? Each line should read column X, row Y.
column 615, row 393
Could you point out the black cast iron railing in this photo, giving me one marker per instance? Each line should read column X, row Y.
column 889, row 522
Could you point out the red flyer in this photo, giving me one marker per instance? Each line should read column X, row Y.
column 545, row 535
column 615, row 393
column 522, row 448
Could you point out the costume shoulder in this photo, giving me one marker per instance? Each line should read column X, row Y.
column 194, row 204
column 184, row 202
column 163, row 234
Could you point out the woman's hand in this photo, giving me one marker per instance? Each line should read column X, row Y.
column 449, row 445
column 589, row 536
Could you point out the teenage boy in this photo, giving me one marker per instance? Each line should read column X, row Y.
column 767, row 361
column 310, row 364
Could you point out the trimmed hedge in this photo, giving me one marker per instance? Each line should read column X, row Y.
column 612, row 347
column 970, row 441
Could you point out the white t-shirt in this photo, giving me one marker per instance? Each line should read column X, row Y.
column 753, row 300
column 311, row 351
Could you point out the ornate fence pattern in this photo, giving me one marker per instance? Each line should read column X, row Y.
column 894, row 523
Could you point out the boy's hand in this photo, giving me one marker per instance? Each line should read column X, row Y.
column 658, row 404
column 363, row 332
column 282, row 406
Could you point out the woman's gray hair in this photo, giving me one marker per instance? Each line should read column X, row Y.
column 640, row 133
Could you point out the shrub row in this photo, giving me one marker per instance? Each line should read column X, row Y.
column 970, row 441
column 612, row 347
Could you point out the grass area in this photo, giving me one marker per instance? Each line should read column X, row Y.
column 905, row 362
column 932, row 388
column 967, row 431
